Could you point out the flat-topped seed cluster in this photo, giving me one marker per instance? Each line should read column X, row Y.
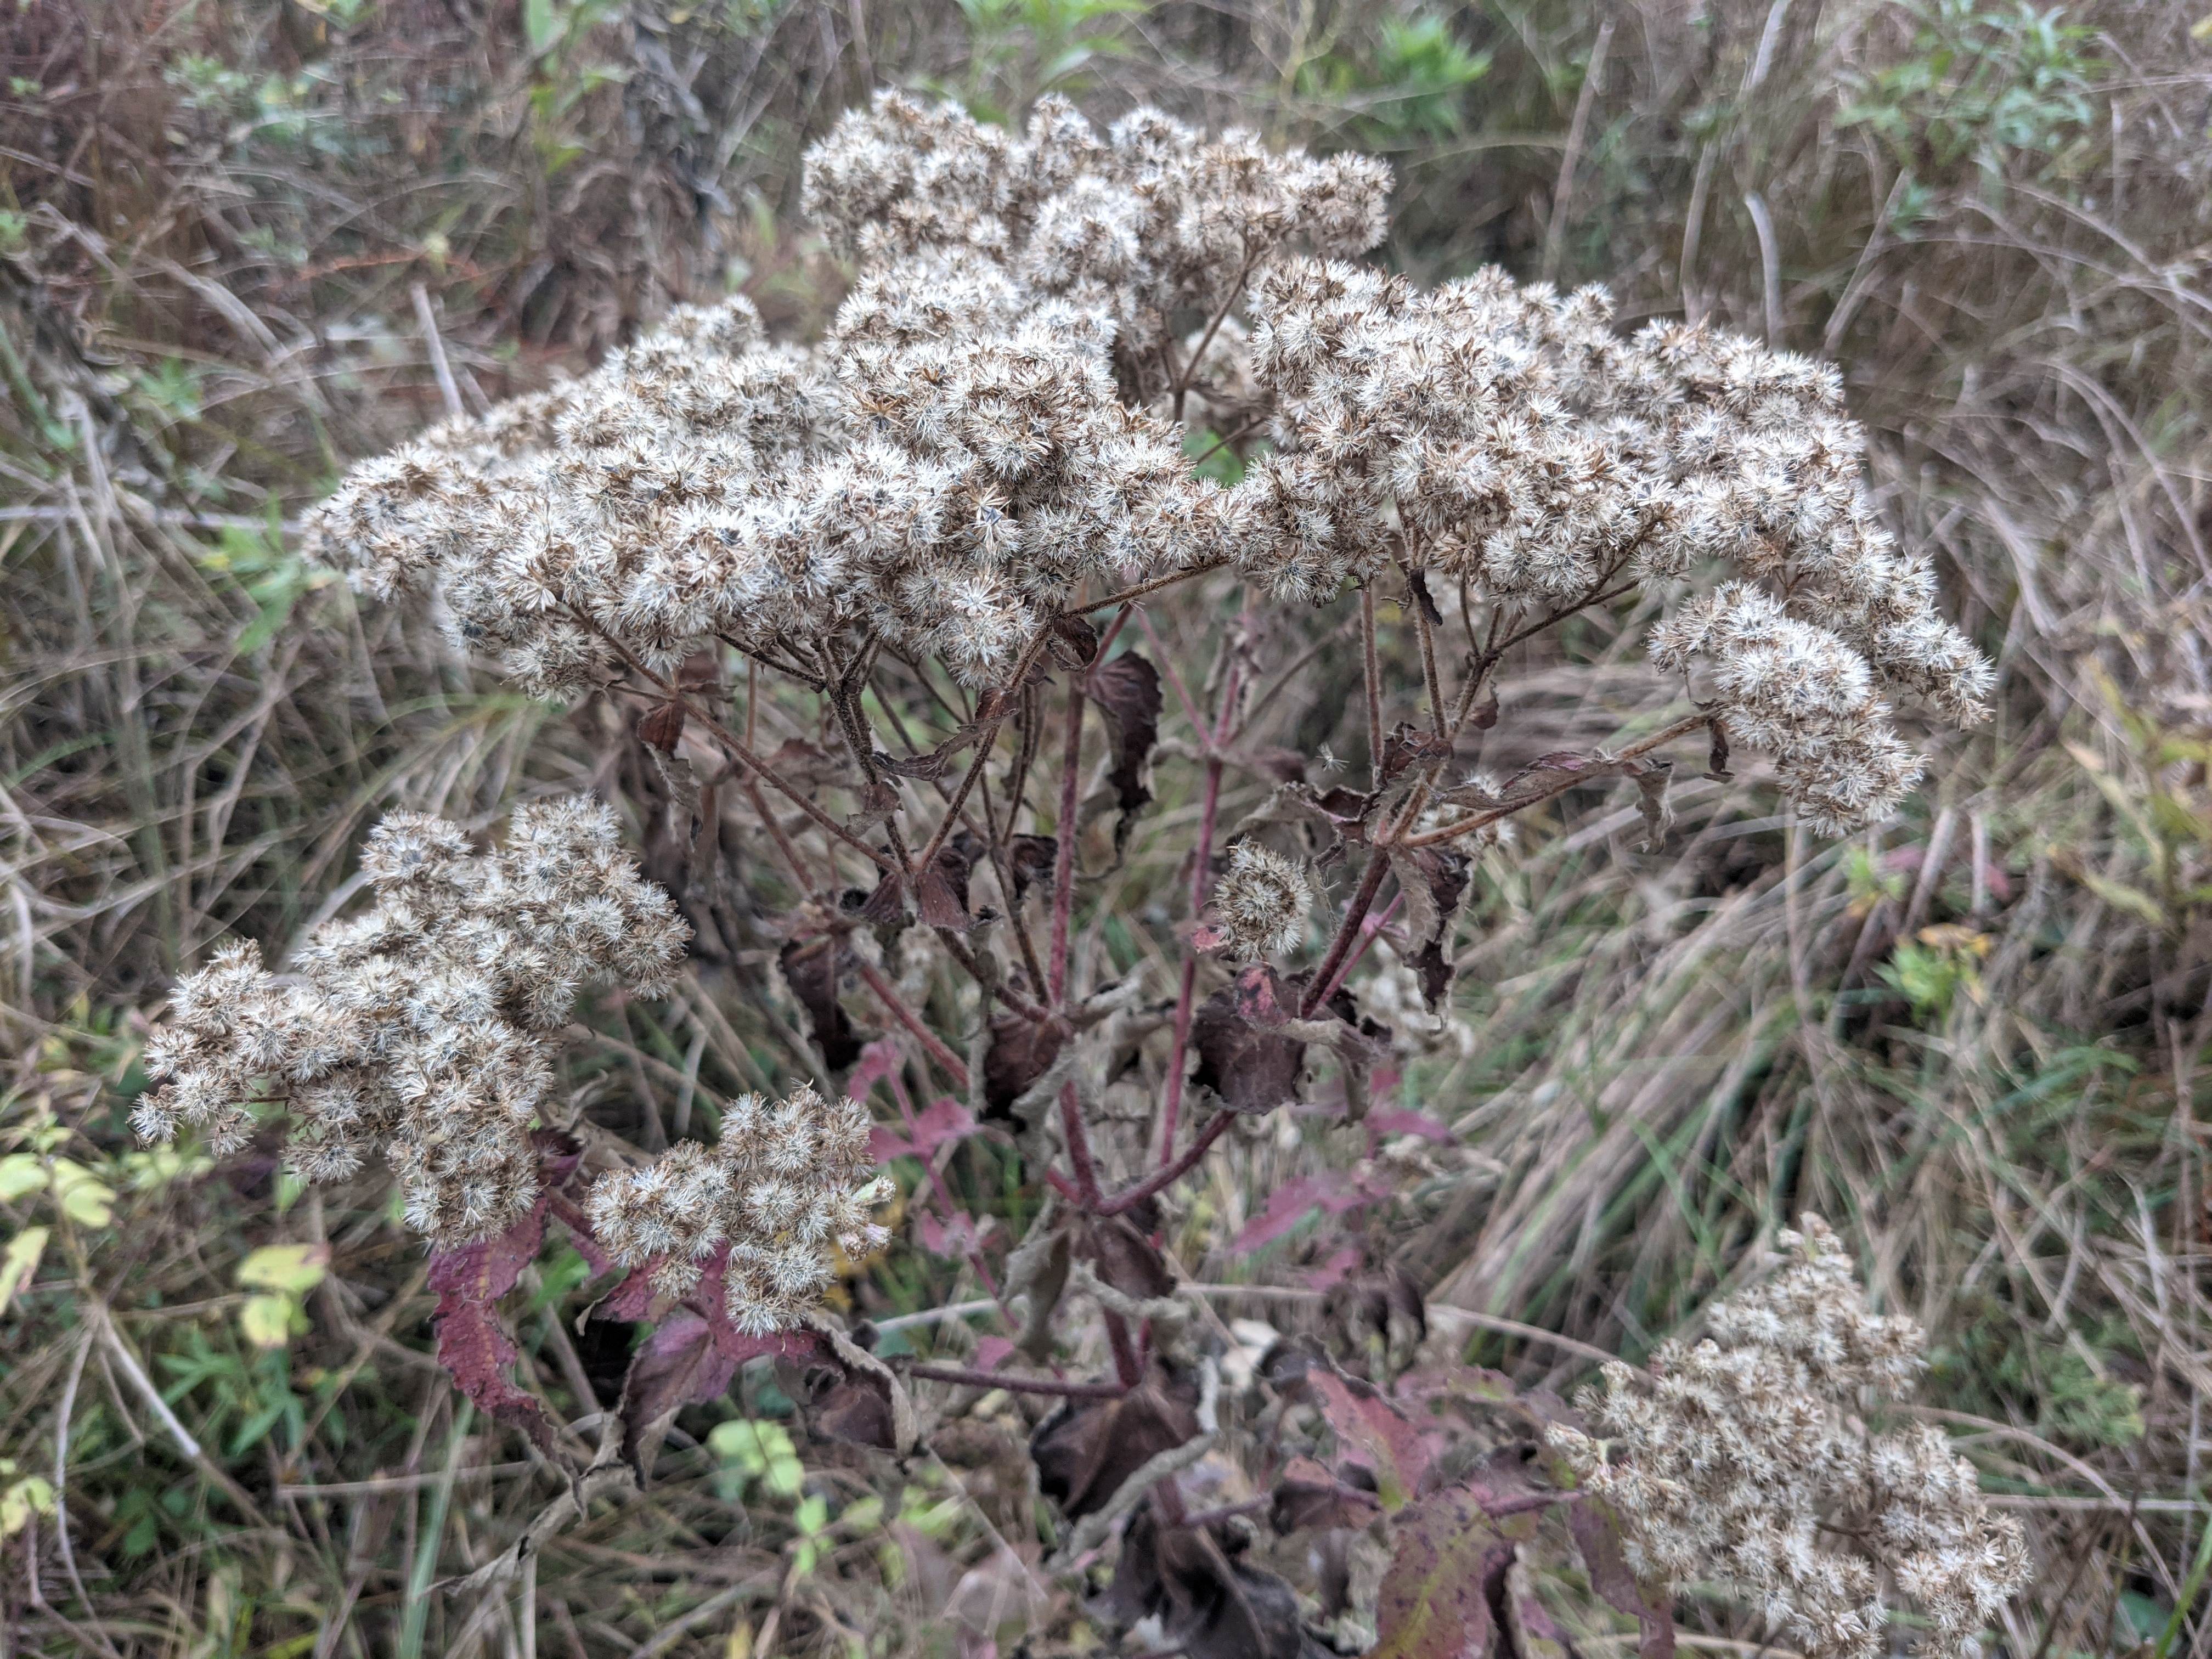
column 423, row 1029
column 1743, row 1460
column 990, row 431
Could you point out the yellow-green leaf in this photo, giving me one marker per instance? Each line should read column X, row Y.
column 762, row 1450
column 293, row 1268
column 267, row 1319
column 20, row 1175
column 19, row 1261
column 27, row 1498
column 84, row 1197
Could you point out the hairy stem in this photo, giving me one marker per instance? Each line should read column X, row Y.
column 1140, row 590
column 1066, row 830
column 1362, row 900
column 951, row 1064
column 1201, row 881
column 1368, row 929
column 1371, row 668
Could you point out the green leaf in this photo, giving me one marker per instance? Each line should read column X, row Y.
column 2121, row 896
column 762, row 1450
column 19, row 1261
column 27, row 1498
column 541, row 26
column 292, row 1269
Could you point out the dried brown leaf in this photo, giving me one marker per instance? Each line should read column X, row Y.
column 1128, row 689
column 810, row 969
column 1084, row 1450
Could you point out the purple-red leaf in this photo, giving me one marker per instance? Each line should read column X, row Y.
column 1373, row 1434
column 943, row 1122
column 1440, row 1595
column 1021, row 1051
column 1249, row 1067
column 1030, row 859
column 941, row 892
column 662, row 726
column 1294, row 1201
column 1124, row 1257
column 690, row 1357
column 1087, row 1449
column 1207, row 1605
column 472, row 1345
column 1434, row 880
column 632, row 1300
column 678, row 1365
column 1596, row 1532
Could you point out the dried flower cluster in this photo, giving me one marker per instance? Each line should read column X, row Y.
column 1262, row 901
column 1152, row 220
column 785, row 1183
column 952, row 461
column 991, row 421
column 1743, row 1460
column 1507, row 438
column 421, row 1027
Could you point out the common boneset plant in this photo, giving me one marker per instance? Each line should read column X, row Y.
column 862, row 597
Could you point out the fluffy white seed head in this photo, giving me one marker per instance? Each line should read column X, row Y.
column 1743, row 1459
column 989, row 429
column 422, row 1028
column 787, row 1182
column 1262, row 901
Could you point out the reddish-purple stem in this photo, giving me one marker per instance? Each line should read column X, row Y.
column 1063, row 910
column 1079, row 1148
column 1201, row 882
column 1362, row 900
column 954, row 1066
column 1175, row 675
column 1368, row 929
column 1126, row 1364
column 1201, row 879
column 1167, row 1174
column 1065, row 832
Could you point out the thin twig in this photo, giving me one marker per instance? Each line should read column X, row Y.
column 1016, row 1384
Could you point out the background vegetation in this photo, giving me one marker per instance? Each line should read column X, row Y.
column 243, row 242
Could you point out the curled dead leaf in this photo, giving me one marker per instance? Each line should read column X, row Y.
column 1128, row 689
column 1209, row 1604
column 810, row 969
column 1086, row 1449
